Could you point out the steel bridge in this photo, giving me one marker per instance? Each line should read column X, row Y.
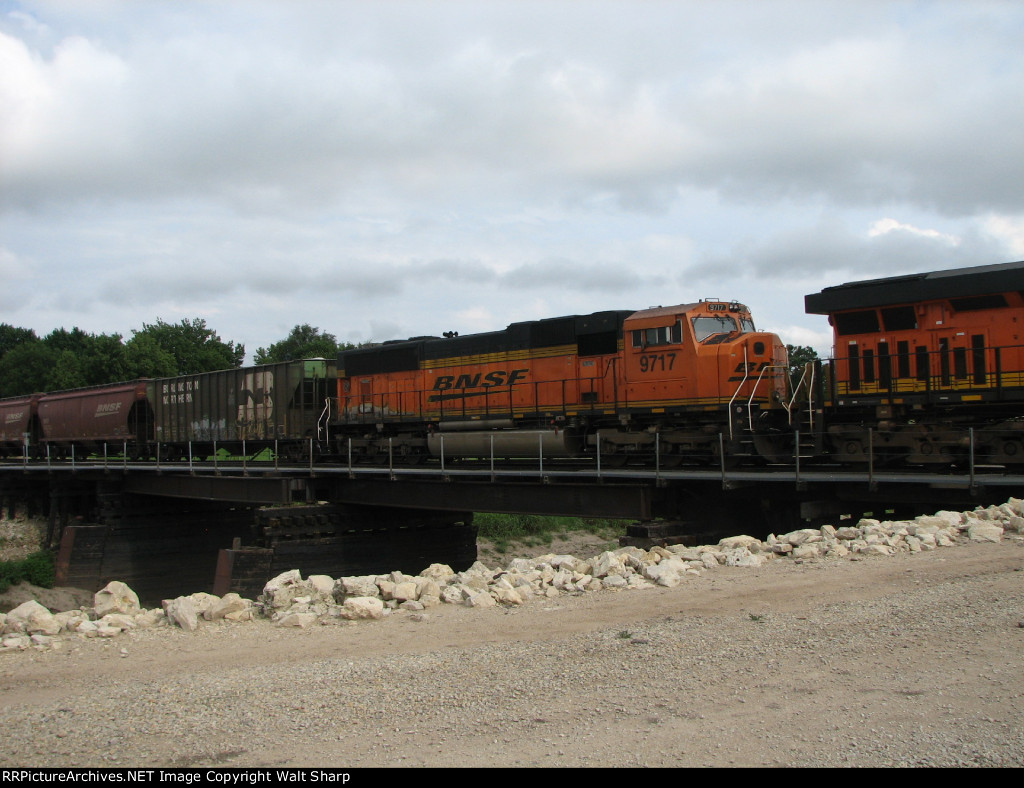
column 169, row 528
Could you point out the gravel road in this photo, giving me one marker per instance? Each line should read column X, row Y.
column 909, row 660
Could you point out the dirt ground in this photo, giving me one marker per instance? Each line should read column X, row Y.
column 909, row 660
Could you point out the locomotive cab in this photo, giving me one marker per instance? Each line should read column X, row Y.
column 702, row 378
column 703, row 354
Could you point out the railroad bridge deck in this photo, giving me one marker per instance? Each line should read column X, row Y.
column 163, row 512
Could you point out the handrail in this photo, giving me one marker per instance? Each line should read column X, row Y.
column 746, row 376
column 323, row 421
column 808, row 367
column 753, row 392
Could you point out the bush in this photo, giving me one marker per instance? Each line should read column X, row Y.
column 37, row 569
column 503, row 528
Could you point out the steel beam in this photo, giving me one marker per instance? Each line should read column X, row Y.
column 243, row 489
column 581, row 500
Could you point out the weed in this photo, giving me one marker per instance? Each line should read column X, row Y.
column 36, row 569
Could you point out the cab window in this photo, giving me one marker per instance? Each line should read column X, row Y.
column 662, row 335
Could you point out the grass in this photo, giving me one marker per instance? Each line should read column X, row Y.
column 502, row 530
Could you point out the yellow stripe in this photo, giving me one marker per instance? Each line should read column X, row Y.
column 491, row 358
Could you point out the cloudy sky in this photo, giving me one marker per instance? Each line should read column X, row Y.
column 388, row 169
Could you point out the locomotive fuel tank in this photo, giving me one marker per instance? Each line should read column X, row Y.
column 505, row 443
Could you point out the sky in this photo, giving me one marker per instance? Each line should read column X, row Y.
column 381, row 170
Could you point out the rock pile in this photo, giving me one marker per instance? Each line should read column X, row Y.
column 288, row 600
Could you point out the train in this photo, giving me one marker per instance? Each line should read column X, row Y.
column 927, row 371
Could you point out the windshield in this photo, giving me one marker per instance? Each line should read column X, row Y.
column 704, row 327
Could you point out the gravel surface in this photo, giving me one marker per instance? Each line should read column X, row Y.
column 909, row 660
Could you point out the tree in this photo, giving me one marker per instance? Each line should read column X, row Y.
column 25, row 368
column 12, row 336
column 799, row 357
column 304, row 341
column 194, row 347
column 83, row 359
column 146, row 359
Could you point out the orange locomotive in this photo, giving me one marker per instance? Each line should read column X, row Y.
column 669, row 380
column 928, row 368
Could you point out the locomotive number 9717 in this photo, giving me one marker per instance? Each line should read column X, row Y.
column 657, row 362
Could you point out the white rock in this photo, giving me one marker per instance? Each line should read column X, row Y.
column 182, row 611
column 203, row 601
column 32, row 618
column 322, row 584
column 115, row 597
column 15, row 642
column 230, row 603
column 362, row 585
column 709, row 560
column 608, row 563
column 806, row 551
column 802, row 536
column 986, row 531
column 749, row 543
column 741, row 556
column 120, row 620
column 508, row 596
column 298, row 620
column 439, row 572
column 667, row 574
column 404, row 592
column 363, row 607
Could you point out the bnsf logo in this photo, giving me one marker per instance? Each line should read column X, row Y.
column 479, row 380
column 491, row 380
column 14, row 416
column 106, row 408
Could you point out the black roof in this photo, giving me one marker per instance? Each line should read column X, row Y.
column 398, row 355
column 913, row 288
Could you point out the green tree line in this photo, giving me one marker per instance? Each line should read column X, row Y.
column 73, row 359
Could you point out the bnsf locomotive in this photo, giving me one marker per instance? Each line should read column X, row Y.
column 610, row 382
column 928, row 369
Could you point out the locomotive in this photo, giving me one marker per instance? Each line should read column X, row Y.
column 612, row 383
column 928, row 370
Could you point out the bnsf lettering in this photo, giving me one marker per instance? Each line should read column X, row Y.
column 15, row 416
column 479, row 380
column 106, row 408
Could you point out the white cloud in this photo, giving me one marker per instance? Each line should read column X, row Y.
column 1009, row 229
column 884, row 226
